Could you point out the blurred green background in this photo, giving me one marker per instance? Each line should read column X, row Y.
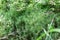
column 29, row 19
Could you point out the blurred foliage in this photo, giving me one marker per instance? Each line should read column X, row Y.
column 28, row 18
